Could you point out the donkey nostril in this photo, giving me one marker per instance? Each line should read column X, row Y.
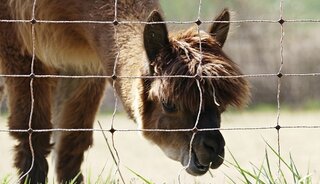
column 212, row 146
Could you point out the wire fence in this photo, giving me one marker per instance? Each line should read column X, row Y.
column 280, row 75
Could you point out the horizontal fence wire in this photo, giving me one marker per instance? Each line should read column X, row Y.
column 280, row 75
column 164, row 22
column 159, row 77
column 113, row 130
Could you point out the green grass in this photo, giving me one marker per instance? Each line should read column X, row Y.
column 309, row 106
column 266, row 174
column 312, row 105
column 143, row 179
column 6, row 180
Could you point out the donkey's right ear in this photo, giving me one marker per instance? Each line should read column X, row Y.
column 155, row 35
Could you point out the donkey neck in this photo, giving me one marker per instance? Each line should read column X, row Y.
column 129, row 11
column 132, row 60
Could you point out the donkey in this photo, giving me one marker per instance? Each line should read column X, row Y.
column 152, row 97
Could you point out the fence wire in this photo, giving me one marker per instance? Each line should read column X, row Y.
column 279, row 75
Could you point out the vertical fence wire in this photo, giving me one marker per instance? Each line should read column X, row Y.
column 32, row 73
column 114, row 77
column 199, row 73
column 278, row 126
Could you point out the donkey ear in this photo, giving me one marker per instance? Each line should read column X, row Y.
column 155, row 35
column 220, row 30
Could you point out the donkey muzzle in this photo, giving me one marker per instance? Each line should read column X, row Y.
column 207, row 152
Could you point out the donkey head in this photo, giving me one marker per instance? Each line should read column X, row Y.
column 195, row 101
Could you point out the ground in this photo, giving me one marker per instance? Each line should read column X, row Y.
column 248, row 146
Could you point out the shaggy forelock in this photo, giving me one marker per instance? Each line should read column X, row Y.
column 183, row 58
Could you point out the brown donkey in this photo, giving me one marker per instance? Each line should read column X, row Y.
column 92, row 49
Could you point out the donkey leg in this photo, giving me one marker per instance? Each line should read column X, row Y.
column 77, row 103
column 19, row 101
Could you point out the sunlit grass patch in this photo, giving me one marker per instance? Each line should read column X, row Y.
column 6, row 179
column 266, row 174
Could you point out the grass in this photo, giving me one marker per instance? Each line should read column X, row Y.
column 6, row 180
column 257, row 174
column 108, row 180
column 311, row 105
column 265, row 174
column 143, row 179
column 308, row 106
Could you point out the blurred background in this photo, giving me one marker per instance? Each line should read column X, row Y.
column 256, row 46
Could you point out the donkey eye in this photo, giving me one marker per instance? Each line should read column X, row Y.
column 169, row 107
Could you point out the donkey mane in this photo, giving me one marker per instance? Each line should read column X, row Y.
column 185, row 58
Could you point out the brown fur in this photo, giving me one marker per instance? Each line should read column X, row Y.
column 184, row 59
column 145, row 50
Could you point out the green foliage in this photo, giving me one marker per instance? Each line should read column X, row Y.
column 74, row 181
column 264, row 174
column 312, row 105
column 6, row 179
column 292, row 8
column 263, row 107
column 146, row 181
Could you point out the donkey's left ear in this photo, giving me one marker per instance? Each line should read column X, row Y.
column 220, row 30
column 155, row 35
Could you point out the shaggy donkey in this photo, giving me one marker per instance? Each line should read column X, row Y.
column 92, row 49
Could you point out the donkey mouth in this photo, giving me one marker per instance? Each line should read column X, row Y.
column 196, row 168
column 218, row 160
